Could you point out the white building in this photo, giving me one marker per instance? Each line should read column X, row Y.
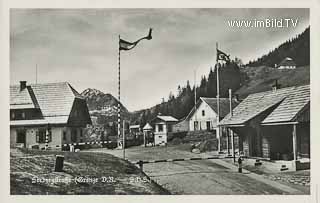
column 163, row 126
column 205, row 115
column 287, row 63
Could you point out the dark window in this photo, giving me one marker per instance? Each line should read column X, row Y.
column 203, row 113
column 81, row 133
column 18, row 115
column 64, row 135
column 41, row 135
column 21, row 136
column 74, row 135
column 169, row 128
column 160, row 127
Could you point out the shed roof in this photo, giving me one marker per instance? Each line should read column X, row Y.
column 290, row 101
column 134, row 126
column 164, row 118
column 55, row 101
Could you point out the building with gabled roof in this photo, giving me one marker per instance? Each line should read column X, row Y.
column 47, row 113
column 163, row 127
column 287, row 63
column 205, row 114
column 274, row 124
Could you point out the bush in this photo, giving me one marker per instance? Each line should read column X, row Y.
column 208, row 145
column 176, row 141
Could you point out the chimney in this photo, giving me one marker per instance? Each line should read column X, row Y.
column 23, row 85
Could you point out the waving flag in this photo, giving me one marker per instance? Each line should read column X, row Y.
column 222, row 56
column 125, row 45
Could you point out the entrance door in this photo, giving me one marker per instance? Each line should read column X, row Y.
column 208, row 125
column 21, row 137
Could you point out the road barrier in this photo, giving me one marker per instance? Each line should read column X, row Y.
column 72, row 145
column 141, row 162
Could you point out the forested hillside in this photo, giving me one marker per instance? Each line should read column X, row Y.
column 297, row 48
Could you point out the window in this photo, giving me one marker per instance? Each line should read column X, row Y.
column 81, row 132
column 195, row 124
column 41, row 136
column 160, row 127
column 74, row 135
column 64, row 135
column 18, row 115
column 169, row 128
column 203, row 113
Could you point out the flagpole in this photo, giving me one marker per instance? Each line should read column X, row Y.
column 195, row 97
column 218, row 103
column 119, row 104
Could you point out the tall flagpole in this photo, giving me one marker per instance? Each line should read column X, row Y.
column 119, row 104
column 218, row 103
column 195, row 98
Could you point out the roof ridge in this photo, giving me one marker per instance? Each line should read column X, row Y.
column 46, row 83
column 280, row 89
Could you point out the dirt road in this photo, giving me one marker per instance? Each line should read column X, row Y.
column 204, row 177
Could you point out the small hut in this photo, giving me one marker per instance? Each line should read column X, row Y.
column 148, row 136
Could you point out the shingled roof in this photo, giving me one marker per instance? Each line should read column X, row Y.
column 55, row 101
column 212, row 103
column 288, row 102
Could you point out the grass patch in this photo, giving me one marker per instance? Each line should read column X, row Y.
column 121, row 177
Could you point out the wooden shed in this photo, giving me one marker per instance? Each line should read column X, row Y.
column 274, row 124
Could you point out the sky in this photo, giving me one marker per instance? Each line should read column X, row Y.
column 80, row 46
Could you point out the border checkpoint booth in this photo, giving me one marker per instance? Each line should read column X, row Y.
column 148, row 136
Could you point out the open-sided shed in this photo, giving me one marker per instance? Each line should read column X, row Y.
column 274, row 124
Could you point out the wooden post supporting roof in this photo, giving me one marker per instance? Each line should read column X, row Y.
column 294, row 142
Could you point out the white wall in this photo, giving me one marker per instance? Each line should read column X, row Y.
column 210, row 115
column 160, row 137
column 31, row 137
column 56, row 138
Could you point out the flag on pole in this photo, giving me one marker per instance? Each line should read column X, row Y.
column 125, row 45
column 222, row 56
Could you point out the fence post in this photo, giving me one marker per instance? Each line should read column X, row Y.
column 58, row 167
column 240, row 165
column 140, row 163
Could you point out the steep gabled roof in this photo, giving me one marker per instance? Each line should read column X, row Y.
column 147, row 127
column 22, row 99
column 55, row 101
column 289, row 100
column 212, row 103
column 295, row 101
